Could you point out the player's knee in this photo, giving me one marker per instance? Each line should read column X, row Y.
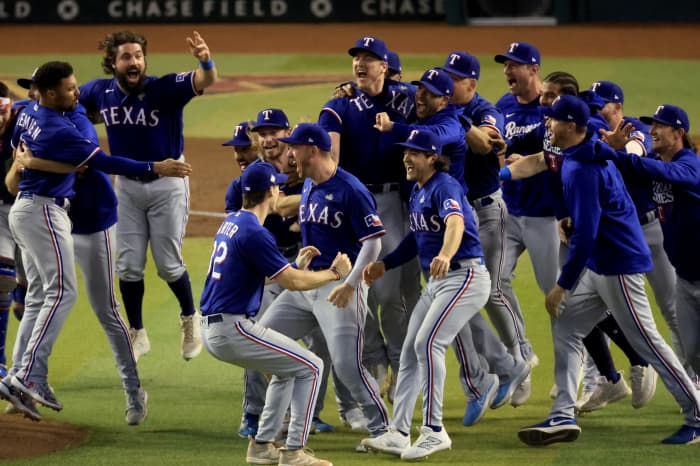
column 129, row 274
column 172, row 273
column 8, row 275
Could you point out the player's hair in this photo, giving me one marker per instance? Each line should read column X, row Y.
column 568, row 85
column 49, row 75
column 4, row 90
column 111, row 43
column 253, row 198
column 688, row 143
column 442, row 163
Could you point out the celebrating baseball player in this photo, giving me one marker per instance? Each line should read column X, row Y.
column 443, row 234
column 244, row 254
column 143, row 118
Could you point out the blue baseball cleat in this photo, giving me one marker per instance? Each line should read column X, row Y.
column 318, row 426
column 553, row 430
column 506, row 389
column 686, row 435
column 249, row 425
column 476, row 408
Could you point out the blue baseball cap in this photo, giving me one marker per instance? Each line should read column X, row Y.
column 240, row 136
column 393, row 61
column 463, row 65
column 271, row 117
column 593, row 100
column 608, row 91
column 27, row 82
column 669, row 115
column 309, row 134
column 422, row 140
column 520, row 52
column 261, row 176
column 370, row 44
column 437, row 81
column 569, row 108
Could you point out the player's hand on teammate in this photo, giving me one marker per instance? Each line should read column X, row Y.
column 566, row 228
column 553, row 301
column 198, row 48
column 343, row 90
column 342, row 264
column 619, row 137
column 373, row 271
column 341, row 295
column 305, row 256
column 383, row 123
column 172, row 167
column 439, row 266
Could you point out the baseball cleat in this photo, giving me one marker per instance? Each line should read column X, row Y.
column 428, row 442
column 392, row 441
column 506, row 389
column 556, row 429
column 261, row 453
column 522, row 392
column 139, row 342
column 137, row 407
column 3, row 371
column 606, row 392
column 686, row 435
column 20, row 402
column 643, row 385
column 191, row 340
column 249, row 425
column 355, row 419
column 477, row 407
column 318, row 426
column 42, row 393
column 301, row 457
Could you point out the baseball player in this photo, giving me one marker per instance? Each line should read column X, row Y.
column 246, row 151
column 604, row 267
column 675, row 173
column 370, row 156
column 393, row 66
column 41, row 227
column 337, row 213
column 244, row 254
column 531, row 224
column 143, row 119
column 444, row 235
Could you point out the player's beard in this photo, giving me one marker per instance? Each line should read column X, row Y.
column 129, row 86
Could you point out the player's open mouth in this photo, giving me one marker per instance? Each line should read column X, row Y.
column 409, row 168
column 361, row 74
column 511, row 82
column 133, row 74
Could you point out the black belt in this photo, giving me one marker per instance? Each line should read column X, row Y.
column 382, row 188
column 217, row 318
column 648, row 217
column 62, row 202
column 465, row 263
column 482, row 201
column 147, row 178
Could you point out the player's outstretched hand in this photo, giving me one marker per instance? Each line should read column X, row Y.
column 343, row 90
column 342, row 264
column 373, row 271
column 439, row 266
column 498, row 144
column 306, row 254
column 341, row 295
column 172, row 167
column 553, row 300
column 198, row 48
column 383, row 123
column 619, row 137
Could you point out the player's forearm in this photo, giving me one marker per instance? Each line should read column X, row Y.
column 368, row 253
column 527, row 166
column 115, row 165
column 478, row 140
column 335, row 146
column 454, row 230
column 302, row 280
column 404, row 252
column 50, row 166
column 205, row 78
column 288, row 206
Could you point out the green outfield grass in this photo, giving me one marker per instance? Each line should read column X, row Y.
column 195, row 406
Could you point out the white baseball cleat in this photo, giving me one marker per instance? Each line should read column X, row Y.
column 136, row 407
column 392, row 441
column 355, row 418
column 191, row 340
column 428, row 442
column 643, row 385
column 261, row 453
column 139, row 342
column 606, row 392
column 300, row 458
column 522, row 393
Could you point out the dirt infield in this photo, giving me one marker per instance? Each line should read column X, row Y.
column 213, row 165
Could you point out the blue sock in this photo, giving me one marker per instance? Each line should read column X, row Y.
column 132, row 295
column 436, row 428
column 614, row 377
column 5, row 302
column 182, row 289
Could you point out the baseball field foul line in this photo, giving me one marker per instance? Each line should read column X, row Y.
column 205, row 213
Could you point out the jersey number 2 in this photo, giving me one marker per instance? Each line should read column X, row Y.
column 217, row 258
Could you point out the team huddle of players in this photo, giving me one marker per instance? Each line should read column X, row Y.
column 334, row 226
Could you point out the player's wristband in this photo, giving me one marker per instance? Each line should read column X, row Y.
column 206, row 65
column 505, row 174
column 335, row 272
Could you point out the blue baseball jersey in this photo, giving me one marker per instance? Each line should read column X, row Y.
column 51, row 135
column 446, row 125
column 6, row 149
column 146, row 125
column 677, row 193
column 244, row 254
column 481, row 170
column 94, row 205
column 607, row 237
column 640, row 189
column 429, row 207
column 365, row 152
column 336, row 216
column 524, row 132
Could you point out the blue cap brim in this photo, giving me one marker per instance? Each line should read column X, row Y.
column 507, row 56
column 455, row 72
column 235, row 143
column 353, row 51
column 25, row 83
column 430, row 87
column 410, row 145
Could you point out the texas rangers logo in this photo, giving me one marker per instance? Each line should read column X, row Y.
column 237, row 131
column 659, row 109
column 266, row 114
column 453, row 58
column 512, row 47
column 373, row 220
column 595, row 86
column 414, row 132
column 432, row 73
column 450, row 204
column 367, row 41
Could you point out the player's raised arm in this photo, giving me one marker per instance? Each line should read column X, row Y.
column 206, row 74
